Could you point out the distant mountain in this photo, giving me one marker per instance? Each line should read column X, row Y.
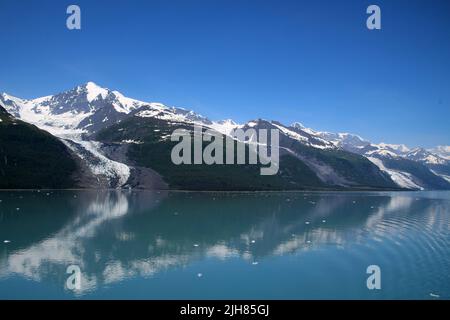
column 121, row 142
column 409, row 168
column 442, row 151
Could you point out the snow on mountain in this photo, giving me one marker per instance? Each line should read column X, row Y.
column 442, row 151
column 381, row 153
column 126, row 105
column 85, row 108
column 346, row 141
column 385, row 155
column 356, row 144
column 298, row 125
column 446, row 177
column 402, row 179
column 385, row 150
column 71, row 114
column 396, row 148
column 312, row 138
column 88, row 108
column 225, row 126
column 93, row 91
column 342, row 139
column 75, row 114
column 39, row 113
column 296, row 132
column 420, row 154
column 291, row 133
column 90, row 151
column 172, row 114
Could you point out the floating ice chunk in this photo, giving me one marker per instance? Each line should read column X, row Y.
column 254, row 263
column 434, row 295
column 199, row 275
column 6, row 241
column 253, row 241
column 306, row 222
column 324, row 221
column 195, row 245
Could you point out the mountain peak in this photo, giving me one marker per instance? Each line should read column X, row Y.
column 298, row 125
column 90, row 85
column 93, row 91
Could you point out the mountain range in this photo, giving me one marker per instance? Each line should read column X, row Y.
column 93, row 137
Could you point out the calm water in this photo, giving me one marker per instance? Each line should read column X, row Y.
column 154, row 245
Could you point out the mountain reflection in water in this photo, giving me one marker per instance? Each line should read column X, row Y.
column 319, row 244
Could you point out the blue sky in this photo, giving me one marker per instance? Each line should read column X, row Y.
column 308, row 61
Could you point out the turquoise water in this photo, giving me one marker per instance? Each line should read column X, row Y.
column 163, row 245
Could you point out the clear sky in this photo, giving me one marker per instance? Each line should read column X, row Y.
column 309, row 61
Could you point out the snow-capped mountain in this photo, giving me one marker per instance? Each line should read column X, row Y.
column 410, row 168
column 78, row 114
column 75, row 115
column 355, row 143
column 88, row 108
column 420, row 154
column 442, row 151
